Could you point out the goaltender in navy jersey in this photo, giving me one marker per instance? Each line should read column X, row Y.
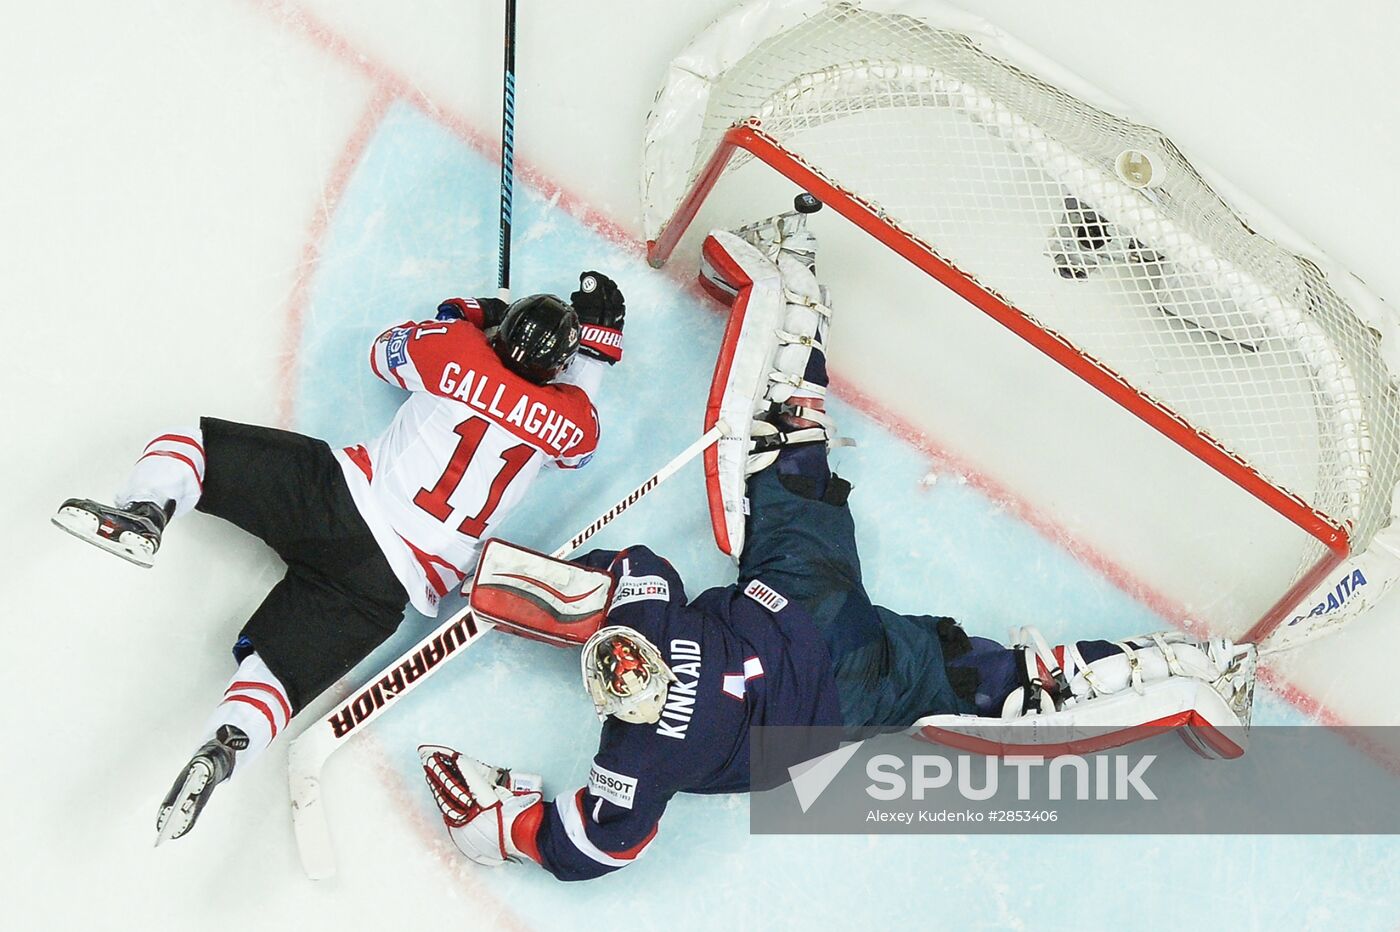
column 743, row 656
column 461, row 450
column 796, row 641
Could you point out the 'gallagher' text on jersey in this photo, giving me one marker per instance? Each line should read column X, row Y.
column 535, row 419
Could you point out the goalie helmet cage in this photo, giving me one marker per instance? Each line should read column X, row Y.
column 1088, row 235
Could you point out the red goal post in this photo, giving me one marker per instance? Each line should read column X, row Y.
column 1261, row 328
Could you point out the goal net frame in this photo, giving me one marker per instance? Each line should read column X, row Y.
column 682, row 102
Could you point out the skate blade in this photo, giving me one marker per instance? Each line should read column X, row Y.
column 177, row 819
column 84, row 524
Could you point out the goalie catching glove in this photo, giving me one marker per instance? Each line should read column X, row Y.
column 491, row 814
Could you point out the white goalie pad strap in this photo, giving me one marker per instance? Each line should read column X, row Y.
column 794, row 339
column 741, row 374
column 1187, row 705
column 1144, row 660
column 539, row 597
column 808, row 389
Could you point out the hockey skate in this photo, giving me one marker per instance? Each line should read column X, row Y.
column 1093, row 695
column 1060, row 678
column 786, row 233
column 211, row 765
column 132, row 533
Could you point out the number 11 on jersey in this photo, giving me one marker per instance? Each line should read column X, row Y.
column 435, row 500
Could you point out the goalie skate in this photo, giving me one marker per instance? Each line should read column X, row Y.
column 132, row 533
column 786, row 232
column 211, row 765
column 1201, row 689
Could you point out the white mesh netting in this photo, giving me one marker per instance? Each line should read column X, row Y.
column 1017, row 184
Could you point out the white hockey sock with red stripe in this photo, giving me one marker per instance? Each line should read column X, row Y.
column 256, row 702
column 171, row 468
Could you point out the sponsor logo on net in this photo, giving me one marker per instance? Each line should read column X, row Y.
column 1347, row 586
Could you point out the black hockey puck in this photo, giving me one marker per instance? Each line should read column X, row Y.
column 806, row 203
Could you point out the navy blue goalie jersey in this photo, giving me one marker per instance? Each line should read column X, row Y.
column 742, row 655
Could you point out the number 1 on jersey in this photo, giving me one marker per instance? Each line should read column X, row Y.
column 434, row 500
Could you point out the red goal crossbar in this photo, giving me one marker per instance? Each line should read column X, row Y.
column 750, row 137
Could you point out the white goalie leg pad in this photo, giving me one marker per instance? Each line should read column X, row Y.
column 778, row 318
column 731, row 266
column 806, row 319
column 1202, row 690
column 539, row 597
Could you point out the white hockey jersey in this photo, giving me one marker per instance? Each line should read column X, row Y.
column 461, row 451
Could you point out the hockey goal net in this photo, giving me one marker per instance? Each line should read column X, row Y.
column 1088, row 235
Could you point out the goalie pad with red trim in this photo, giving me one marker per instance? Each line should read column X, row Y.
column 1201, row 689
column 773, row 344
column 539, row 597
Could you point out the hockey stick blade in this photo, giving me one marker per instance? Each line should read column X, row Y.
column 312, row 828
column 311, row 749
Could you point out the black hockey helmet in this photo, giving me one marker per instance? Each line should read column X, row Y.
column 538, row 337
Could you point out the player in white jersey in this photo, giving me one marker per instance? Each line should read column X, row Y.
column 495, row 392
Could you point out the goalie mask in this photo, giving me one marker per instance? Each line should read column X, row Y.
column 625, row 675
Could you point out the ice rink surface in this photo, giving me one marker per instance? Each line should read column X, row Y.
column 214, row 207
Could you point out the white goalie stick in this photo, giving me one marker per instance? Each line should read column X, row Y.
column 310, row 750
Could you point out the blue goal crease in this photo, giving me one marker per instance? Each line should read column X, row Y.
column 418, row 223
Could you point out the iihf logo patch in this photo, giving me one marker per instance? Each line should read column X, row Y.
column 397, row 351
column 765, row 596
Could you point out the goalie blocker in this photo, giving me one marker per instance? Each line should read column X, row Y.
column 538, row 597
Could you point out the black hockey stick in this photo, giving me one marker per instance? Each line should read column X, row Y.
column 507, row 153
